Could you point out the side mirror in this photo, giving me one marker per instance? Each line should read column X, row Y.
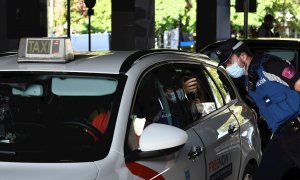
column 161, row 136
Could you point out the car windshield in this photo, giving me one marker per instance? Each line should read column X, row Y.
column 47, row 117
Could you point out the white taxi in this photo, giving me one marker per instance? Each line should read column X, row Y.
column 121, row 115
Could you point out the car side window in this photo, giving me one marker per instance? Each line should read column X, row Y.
column 222, row 83
column 288, row 55
column 200, row 97
column 216, row 93
column 159, row 99
column 212, row 55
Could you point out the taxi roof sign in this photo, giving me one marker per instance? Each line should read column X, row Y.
column 45, row 50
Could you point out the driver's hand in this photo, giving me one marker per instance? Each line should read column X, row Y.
column 190, row 85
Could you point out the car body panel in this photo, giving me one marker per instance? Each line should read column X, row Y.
column 48, row 171
column 104, row 63
column 208, row 137
column 177, row 165
column 222, row 149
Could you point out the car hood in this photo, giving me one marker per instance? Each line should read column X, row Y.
column 48, row 171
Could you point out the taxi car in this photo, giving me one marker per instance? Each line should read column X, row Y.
column 120, row 115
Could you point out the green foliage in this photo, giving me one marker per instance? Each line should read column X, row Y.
column 169, row 12
column 100, row 21
column 167, row 15
column 59, row 17
column 280, row 9
column 102, row 17
column 287, row 14
column 254, row 19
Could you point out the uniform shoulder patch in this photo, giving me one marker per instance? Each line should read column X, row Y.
column 288, row 72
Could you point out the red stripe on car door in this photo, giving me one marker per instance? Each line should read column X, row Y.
column 143, row 171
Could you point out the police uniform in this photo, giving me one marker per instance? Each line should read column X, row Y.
column 270, row 83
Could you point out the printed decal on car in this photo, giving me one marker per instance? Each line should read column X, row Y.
column 222, row 173
column 220, row 167
column 143, row 171
column 187, row 175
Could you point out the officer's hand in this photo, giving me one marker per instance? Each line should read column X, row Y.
column 297, row 85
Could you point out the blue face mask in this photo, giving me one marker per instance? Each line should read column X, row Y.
column 235, row 70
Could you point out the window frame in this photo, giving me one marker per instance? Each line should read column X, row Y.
column 231, row 92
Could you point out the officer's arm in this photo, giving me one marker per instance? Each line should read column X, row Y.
column 297, row 85
column 285, row 71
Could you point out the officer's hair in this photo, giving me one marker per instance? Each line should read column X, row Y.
column 243, row 48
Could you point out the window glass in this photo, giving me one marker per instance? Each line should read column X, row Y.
column 160, row 99
column 70, row 86
column 223, row 84
column 289, row 55
column 215, row 91
column 199, row 95
column 47, row 117
column 212, row 55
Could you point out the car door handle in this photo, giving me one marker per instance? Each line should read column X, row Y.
column 195, row 151
column 232, row 129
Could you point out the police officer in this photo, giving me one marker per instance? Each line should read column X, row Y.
column 274, row 85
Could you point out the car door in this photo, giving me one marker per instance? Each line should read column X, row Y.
column 234, row 109
column 217, row 127
column 152, row 104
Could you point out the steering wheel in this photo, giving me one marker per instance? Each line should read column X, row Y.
column 88, row 127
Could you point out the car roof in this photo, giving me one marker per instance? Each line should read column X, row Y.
column 262, row 42
column 112, row 62
column 104, row 62
column 273, row 42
